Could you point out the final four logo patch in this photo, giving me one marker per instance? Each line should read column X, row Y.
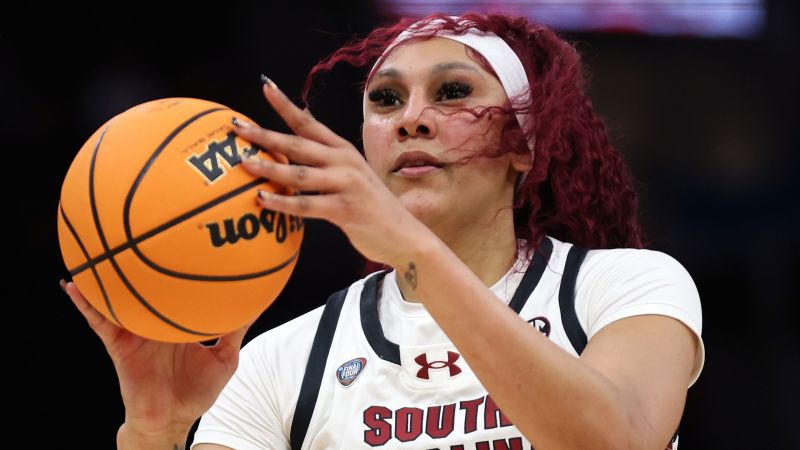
column 349, row 371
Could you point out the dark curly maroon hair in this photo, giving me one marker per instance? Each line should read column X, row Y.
column 579, row 189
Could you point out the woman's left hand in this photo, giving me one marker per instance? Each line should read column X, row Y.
column 351, row 195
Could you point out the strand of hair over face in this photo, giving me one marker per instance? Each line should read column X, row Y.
column 579, row 190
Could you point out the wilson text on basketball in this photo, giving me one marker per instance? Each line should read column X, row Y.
column 250, row 225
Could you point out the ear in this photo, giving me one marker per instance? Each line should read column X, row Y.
column 521, row 163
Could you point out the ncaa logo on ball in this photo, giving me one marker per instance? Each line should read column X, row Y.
column 349, row 371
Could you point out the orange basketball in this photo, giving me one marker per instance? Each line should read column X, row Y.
column 159, row 225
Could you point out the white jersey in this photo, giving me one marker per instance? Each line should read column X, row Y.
column 393, row 379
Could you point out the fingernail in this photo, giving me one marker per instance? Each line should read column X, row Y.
column 267, row 81
column 263, row 194
column 63, row 285
column 239, row 123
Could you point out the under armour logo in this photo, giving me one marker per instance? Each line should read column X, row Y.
column 422, row 360
column 542, row 324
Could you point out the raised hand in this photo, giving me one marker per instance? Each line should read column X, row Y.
column 351, row 195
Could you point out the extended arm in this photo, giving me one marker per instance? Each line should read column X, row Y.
column 626, row 391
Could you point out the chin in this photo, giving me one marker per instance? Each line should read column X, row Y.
column 424, row 207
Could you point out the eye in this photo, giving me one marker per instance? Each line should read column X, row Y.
column 384, row 97
column 451, row 90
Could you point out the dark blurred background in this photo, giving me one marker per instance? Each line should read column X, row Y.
column 704, row 114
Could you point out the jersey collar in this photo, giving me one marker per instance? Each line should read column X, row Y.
column 389, row 351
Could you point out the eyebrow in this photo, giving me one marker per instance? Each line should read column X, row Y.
column 438, row 68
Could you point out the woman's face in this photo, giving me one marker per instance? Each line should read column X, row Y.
column 413, row 140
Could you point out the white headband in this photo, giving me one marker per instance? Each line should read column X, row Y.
column 498, row 54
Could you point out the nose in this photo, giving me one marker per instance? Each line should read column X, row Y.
column 418, row 119
column 420, row 130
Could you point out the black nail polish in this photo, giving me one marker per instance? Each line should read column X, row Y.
column 267, row 82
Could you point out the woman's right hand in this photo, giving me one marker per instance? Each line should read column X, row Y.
column 165, row 387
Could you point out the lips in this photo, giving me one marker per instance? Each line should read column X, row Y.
column 415, row 159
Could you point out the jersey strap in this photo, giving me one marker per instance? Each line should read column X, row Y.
column 532, row 276
column 315, row 367
column 566, row 298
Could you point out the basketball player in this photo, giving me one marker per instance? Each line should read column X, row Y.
column 552, row 329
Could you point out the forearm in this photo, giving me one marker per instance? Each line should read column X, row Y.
column 555, row 400
column 171, row 439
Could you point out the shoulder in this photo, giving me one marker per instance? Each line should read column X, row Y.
column 607, row 267
column 273, row 363
column 604, row 271
column 613, row 284
column 288, row 338
column 256, row 407
column 623, row 282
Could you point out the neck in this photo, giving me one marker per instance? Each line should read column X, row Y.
column 488, row 249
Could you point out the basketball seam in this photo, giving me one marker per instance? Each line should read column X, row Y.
column 74, row 233
column 111, row 259
column 173, row 222
column 131, row 242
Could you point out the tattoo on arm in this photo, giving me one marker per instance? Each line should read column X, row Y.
column 411, row 275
